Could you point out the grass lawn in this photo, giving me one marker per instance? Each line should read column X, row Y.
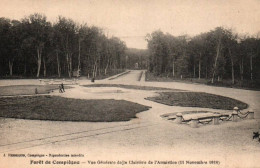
column 245, row 84
column 130, row 87
column 197, row 99
column 27, row 89
column 64, row 109
column 109, row 74
column 122, row 74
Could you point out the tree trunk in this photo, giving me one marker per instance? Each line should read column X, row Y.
column 106, row 67
column 233, row 75
column 242, row 69
column 64, row 68
column 39, row 61
column 99, row 69
column 68, row 68
column 99, row 64
column 216, row 60
column 79, row 57
column 69, row 63
column 24, row 70
column 173, row 71
column 194, row 70
column 58, row 64
column 44, row 68
column 70, row 60
column 93, row 72
column 199, row 68
column 251, row 67
column 199, row 65
column 206, row 72
column 96, row 68
column 105, row 72
column 232, row 67
column 68, row 57
column 10, row 68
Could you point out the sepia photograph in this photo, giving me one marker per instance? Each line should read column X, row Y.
column 129, row 83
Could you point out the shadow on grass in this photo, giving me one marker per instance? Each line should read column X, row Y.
column 197, row 99
column 64, row 109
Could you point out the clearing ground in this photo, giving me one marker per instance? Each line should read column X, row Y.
column 147, row 137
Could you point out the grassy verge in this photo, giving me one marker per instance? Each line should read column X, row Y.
column 64, row 109
column 140, row 76
column 198, row 99
column 27, row 89
column 245, row 84
column 109, row 73
column 130, row 87
column 122, row 74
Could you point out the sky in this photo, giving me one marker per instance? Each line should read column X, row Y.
column 131, row 20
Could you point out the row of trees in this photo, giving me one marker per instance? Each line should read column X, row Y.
column 34, row 46
column 217, row 54
column 136, row 58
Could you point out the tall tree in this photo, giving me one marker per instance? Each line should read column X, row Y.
column 6, row 43
column 38, row 27
column 67, row 28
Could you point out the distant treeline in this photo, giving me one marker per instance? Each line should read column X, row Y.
column 217, row 54
column 136, row 58
column 36, row 47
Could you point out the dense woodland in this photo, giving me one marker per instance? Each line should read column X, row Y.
column 35, row 47
column 216, row 55
column 136, row 58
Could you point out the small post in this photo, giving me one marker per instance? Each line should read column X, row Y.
column 251, row 115
column 178, row 119
column 40, row 81
column 194, row 122
column 235, row 114
column 216, row 119
column 36, row 91
column 236, row 109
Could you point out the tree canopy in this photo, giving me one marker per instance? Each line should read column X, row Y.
column 217, row 54
column 36, row 47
